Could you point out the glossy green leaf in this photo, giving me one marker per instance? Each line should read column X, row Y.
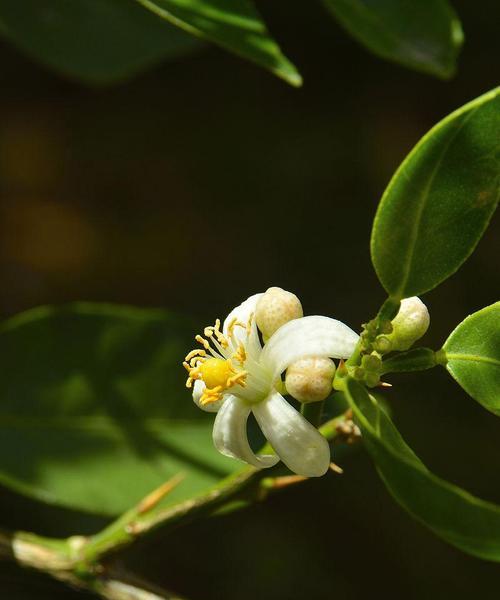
column 96, row 41
column 472, row 355
column 232, row 24
column 94, row 413
column 425, row 35
column 471, row 524
column 440, row 200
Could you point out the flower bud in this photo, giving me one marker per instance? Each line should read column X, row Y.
column 410, row 324
column 310, row 379
column 383, row 344
column 275, row 308
column 371, row 362
column 372, row 379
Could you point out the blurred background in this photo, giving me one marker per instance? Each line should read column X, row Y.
column 206, row 180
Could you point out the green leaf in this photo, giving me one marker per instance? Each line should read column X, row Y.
column 232, row 24
column 472, row 356
column 95, row 41
column 471, row 524
column 94, row 413
column 440, row 200
column 425, row 35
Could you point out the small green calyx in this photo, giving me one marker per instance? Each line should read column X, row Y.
column 385, row 327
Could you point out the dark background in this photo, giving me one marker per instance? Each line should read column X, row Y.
column 206, row 180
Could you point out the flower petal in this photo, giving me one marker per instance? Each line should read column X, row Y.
column 230, row 434
column 308, row 336
column 242, row 314
column 243, row 311
column 198, row 388
column 299, row 445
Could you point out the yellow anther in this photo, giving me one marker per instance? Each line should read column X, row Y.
column 238, row 378
column 240, row 355
column 234, row 323
column 249, row 324
column 211, row 395
column 215, row 330
column 202, row 341
column 193, row 353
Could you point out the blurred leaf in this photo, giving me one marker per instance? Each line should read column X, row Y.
column 97, row 41
column 440, row 200
column 93, row 409
column 424, row 35
column 233, row 24
column 473, row 356
column 453, row 514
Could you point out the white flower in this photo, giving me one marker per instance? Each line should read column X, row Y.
column 234, row 375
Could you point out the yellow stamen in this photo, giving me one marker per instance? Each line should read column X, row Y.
column 240, row 355
column 249, row 324
column 210, row 396
column 214, row 330
column 238, row 378
column 202, row 341
column 234, row 323
column 211, row 365
column 193, row 353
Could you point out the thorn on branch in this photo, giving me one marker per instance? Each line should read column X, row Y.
column 152, row 499
column 336, row 468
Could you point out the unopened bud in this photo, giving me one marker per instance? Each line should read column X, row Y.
column 372, row 379
column 358, row 373
column 410, row 324
column 275, row 308
column 383, row 344
column 310, row 379
column 371, row 362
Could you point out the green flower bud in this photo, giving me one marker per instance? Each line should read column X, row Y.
column 371, row 362
column 310, row 379
column 358, row 373
column 372, row 379
column 383, row 344
column 410, row 324
column 275, row 308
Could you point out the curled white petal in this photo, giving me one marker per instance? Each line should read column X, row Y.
column 242, row 314
column 198, row 389
column 299, row 445
column 308, row 336
column 230, row 434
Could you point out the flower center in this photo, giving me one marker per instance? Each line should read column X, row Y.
column 215, row 364
column 216, row 371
